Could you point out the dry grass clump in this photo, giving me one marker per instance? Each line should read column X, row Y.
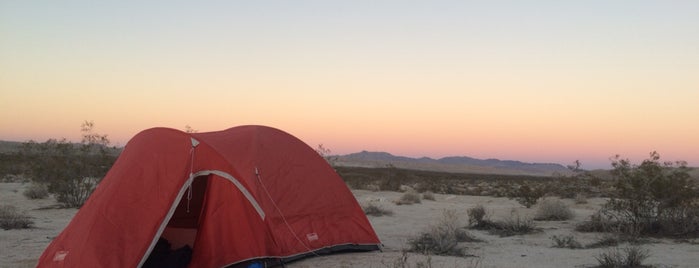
column 580, row 199
column 567, row 241
column 11, row 218
column 514, row 225
column 373, row 209
column 36, row 191
column 598, row 223
column 402, row 262
column 606, row 241
column 409, row 198
column 428, row 196
column 443, row 238
column 14, row 178
column 632, row 256
column 553, row 210
column 426, row 262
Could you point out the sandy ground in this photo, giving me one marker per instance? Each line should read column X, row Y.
column 21, row 248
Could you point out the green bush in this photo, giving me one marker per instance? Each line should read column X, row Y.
column 36, row 191
column 71, row 171
column 526, row 195
column 392, row 179
column 75, row 192
column 553, row 210
column 653, row 198
column 11, row 218
column 577, row 182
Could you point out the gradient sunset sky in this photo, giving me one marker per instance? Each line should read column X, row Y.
column 535, row 81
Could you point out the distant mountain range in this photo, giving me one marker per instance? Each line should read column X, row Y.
column 457, row 164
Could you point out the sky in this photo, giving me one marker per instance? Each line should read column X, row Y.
column 534, row 81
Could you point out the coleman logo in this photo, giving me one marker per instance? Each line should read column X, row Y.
column 312, row 236
column 60, row 255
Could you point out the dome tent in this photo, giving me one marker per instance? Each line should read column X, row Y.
column 248, row 193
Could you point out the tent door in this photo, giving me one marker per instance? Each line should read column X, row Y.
column 182, row 228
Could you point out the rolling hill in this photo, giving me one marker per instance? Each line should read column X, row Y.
column 456, row 164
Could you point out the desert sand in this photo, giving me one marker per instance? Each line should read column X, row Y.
column 22, row 248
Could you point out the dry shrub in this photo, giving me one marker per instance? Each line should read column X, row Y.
column 515, row 225
column 606, row 241
column 443, row 238
column 478, row 218
column 428, row 196
column 526, row 195
column 632, row 256
column 567, row 241
column 14, row 178
column 36, row 191
column 11, row 218
column 580, row 199
column 372, row 187
column 598, row 223
column 409, row 198
column 424, row 261
column 402, row 261
column 476, row 214
column 553, row 210
column 376, row 210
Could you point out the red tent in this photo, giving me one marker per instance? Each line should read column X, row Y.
column 248, row 193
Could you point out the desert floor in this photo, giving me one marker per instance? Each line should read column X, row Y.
column 21, row 248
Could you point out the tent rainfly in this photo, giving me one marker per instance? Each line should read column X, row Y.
column 245, row 195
